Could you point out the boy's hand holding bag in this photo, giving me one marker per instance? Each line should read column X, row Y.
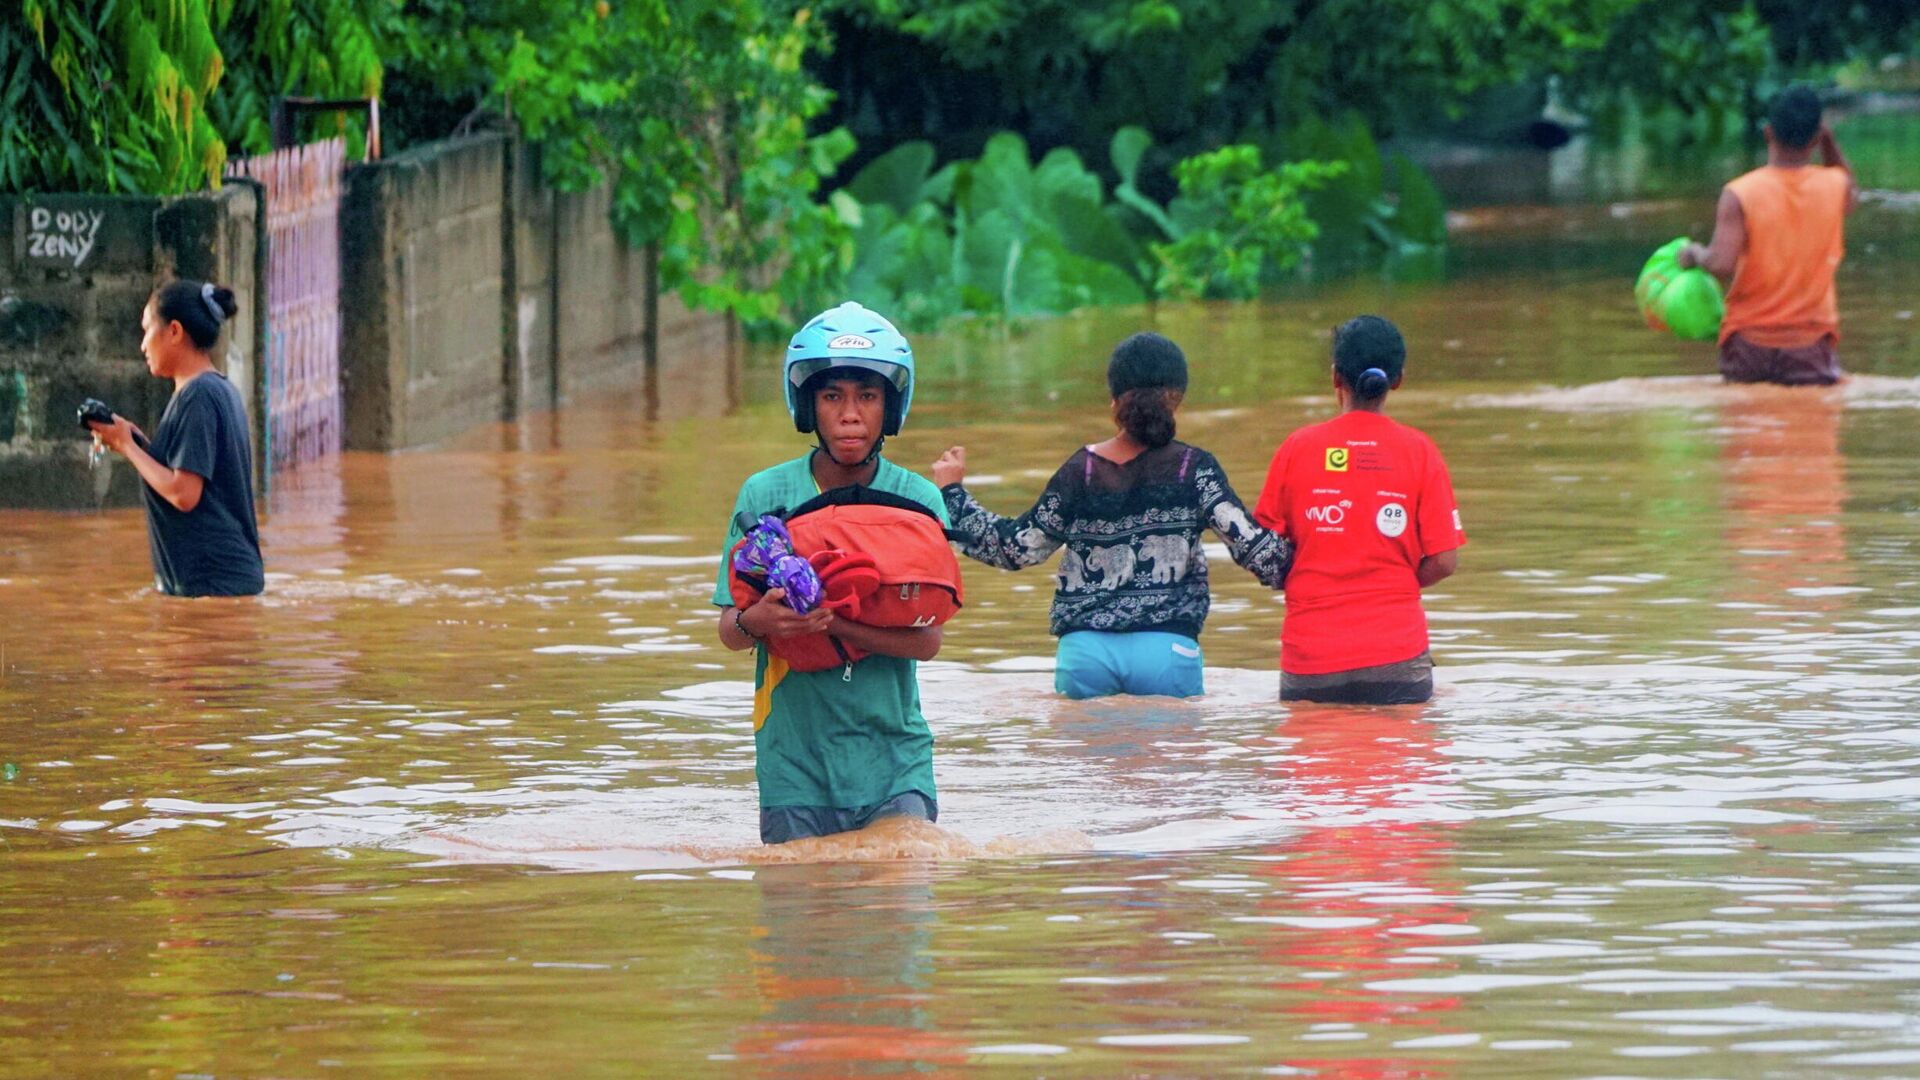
column 867, row 556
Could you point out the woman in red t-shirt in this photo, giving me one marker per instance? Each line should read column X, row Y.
column 1369, row 508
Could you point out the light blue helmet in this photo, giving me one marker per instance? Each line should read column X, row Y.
column 849, row 336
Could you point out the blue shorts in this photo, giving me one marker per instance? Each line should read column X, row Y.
column 779, row 824
column 1092, row 663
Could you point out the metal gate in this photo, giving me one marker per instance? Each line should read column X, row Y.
column 302, row 376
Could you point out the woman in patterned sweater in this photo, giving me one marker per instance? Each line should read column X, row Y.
column 1132, row 592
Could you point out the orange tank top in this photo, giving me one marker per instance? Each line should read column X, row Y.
column 1782, row 292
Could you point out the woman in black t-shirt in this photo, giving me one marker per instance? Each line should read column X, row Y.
column 198, row 467
column 1132, row 588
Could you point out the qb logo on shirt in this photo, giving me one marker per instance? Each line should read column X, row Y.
column 1336, row 459
column 1391, row 520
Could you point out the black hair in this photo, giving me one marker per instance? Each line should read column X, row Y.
column 200, row 308
column 1147, row 375
column 864, row 376
column 1370, row 355
column 1795, row 117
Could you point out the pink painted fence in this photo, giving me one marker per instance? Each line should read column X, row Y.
column 303, row 299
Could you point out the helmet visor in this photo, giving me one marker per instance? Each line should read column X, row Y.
column 800, row 371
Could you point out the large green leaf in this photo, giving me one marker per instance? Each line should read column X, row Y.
column 1346, row 212
column 896, row 178
column 1362, row 155
column 903, row 265
column 1002, row 178
column 1190, row 215
column 1129, row 144
column 1088, row 282
column 939, row 187
column 987, row 253
column 1421, row 215
column 1062, row 175
column 1089, row 230
column 1071, row 205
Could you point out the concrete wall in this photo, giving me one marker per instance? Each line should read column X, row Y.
column 698, row 373
column 472, row 294
column 602, row 300
column 75, row 272
column 529, row 331
column 420, row 294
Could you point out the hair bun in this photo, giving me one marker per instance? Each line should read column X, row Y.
column 220, row 301
column 1369, row 355
column 200, row 307
column 1147, row 415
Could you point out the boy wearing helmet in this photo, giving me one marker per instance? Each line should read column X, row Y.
column 836, row 750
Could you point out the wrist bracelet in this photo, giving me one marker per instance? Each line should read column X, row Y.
column 742, row 627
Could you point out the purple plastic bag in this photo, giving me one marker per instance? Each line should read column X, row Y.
column 795, row 574
column 766, row 542
column 768, row 553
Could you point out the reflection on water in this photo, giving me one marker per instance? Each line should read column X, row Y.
column 842, row 963
column 1786, row 489
column 470, row 788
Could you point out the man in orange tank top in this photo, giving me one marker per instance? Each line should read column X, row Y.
column 1777, row 239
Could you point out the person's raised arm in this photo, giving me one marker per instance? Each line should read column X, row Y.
column 1831, row 157
column 1721, row 256
column 1008, row 543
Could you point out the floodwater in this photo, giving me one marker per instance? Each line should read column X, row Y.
column 469, row 791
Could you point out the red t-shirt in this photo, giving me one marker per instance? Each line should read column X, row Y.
column 1364, row 499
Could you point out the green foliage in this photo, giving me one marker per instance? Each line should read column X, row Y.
column 1884, row 149
column 695, row 111
column 1197, row 74
column 1382, row 208
column 1812, row 35
column 531, row 60
column 138, row 96
column 109, row 96
column 1129, row 146
column 1238, row 223
column 902, row 178
column 1685, row 71
column 304, row 48
column 1002, row 236
column 998, row 235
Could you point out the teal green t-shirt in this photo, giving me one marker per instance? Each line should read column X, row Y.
column 820, row 738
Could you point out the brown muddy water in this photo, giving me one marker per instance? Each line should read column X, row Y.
column 469, row 791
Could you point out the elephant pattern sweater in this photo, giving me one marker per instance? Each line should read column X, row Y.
column 1132, row 534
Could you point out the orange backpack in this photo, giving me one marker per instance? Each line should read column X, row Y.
column 883, row 560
